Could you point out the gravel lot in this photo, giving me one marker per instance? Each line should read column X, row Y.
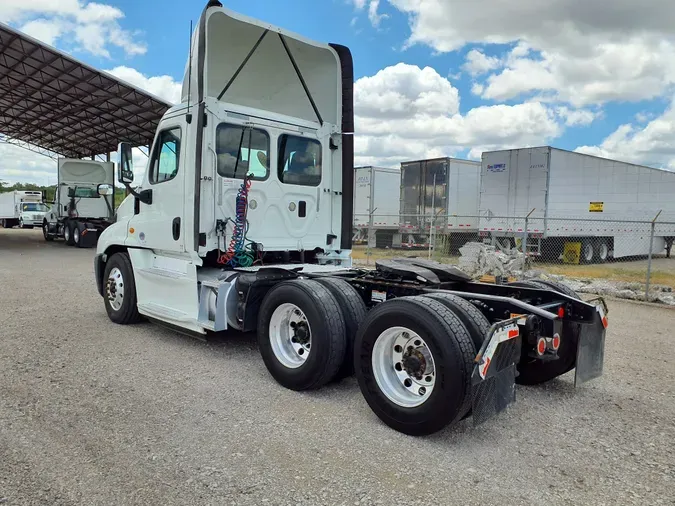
column 93, row 413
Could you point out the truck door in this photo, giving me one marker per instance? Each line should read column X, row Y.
column 286, row 206
column 160, row 225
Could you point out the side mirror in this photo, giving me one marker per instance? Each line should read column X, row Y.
column 71, row 192
column 125, row 169
column 104, row 190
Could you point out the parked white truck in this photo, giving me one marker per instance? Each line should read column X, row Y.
column 576, row 200
column 243, row 222
column 376, row 204
column 84, row 202
column 22, row 207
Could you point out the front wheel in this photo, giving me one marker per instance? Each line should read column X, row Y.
column 45, row 232
column 119, row 290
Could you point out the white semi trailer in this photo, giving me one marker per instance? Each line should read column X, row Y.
column 243, row 222
column 84, row 202
column 376, row 204
column 22, row 207
column 438, row 197
column 578, row 200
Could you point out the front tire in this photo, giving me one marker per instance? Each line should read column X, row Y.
column 119, row 290
column 45, row 232
column 414, row 360
column 301, row 334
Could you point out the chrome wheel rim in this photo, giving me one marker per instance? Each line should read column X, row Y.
column 403, row 367
column 604, row 252
column 66, row 233
column 114, row 288
column 290, row 335
column 45, row 230
column 76, row 235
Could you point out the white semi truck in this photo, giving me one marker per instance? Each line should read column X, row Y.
column 84, row 202
column 574, row 199
column 22, row 207
column 375, row 204
column 243, row 222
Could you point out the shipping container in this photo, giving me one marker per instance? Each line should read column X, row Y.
column 438, row 196
column 574, row 198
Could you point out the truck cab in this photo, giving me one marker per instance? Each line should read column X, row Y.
column 254, row 167
column 31, row 209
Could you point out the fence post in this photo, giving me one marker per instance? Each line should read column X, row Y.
column 369, row 235
column 527, row 219
column 651, row 251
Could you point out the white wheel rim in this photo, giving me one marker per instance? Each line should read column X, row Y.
column 66, row 233
column 604, row 252
column 114, row 288
column 76, row 235
column 290, row 335
column 403, row 367
column 588, row 252
column 45, row 229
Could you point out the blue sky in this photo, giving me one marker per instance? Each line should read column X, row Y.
column 601, row 83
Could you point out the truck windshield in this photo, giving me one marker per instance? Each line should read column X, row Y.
column 34, row 207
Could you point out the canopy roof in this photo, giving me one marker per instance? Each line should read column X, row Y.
column 56, row 103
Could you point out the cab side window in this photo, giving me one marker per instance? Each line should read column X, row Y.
column 242, row 151
column 299, row 160
column 165, row 157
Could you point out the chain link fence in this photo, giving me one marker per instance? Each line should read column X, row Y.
column 626, row 257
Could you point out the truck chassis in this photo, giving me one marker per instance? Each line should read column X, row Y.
column 428, row 346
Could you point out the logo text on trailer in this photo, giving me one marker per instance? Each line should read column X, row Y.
column 496, row 167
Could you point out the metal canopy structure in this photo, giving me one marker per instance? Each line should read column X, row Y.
column 60, row 105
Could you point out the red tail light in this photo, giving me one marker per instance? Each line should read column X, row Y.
column 561, row 312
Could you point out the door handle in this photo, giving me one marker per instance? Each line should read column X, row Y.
column 175, row 228
column 302, row 209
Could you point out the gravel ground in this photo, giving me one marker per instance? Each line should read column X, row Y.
column 93, row 413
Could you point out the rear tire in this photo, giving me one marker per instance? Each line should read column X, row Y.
column 587, row 251
column 301, row 334
column 601, row 251
column 68, row 233
column 443, row 337
column 119, row 290
column 76, row 235
column 354, row 311
column 6, row 223
column 474, row 321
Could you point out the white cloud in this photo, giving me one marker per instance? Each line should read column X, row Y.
column 45, row 30
column 651, row 144
column 373, row 11
column 577, row 51
column 576, row 117
column 405, row 112
column 162, row 86
column 478, row 63
column 95, row 27
column 22, row 166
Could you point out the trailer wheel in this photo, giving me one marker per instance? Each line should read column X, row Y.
column 6, row 223
column 474, row 321
column 601, row 251
column 353, row 311
column 587, row 251
column 68, row 233
column 301, row 334
column 45, row 232
column 119, row 290
column 414, row 360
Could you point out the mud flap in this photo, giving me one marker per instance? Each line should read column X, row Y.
column 493, row 382
column 591, row 345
